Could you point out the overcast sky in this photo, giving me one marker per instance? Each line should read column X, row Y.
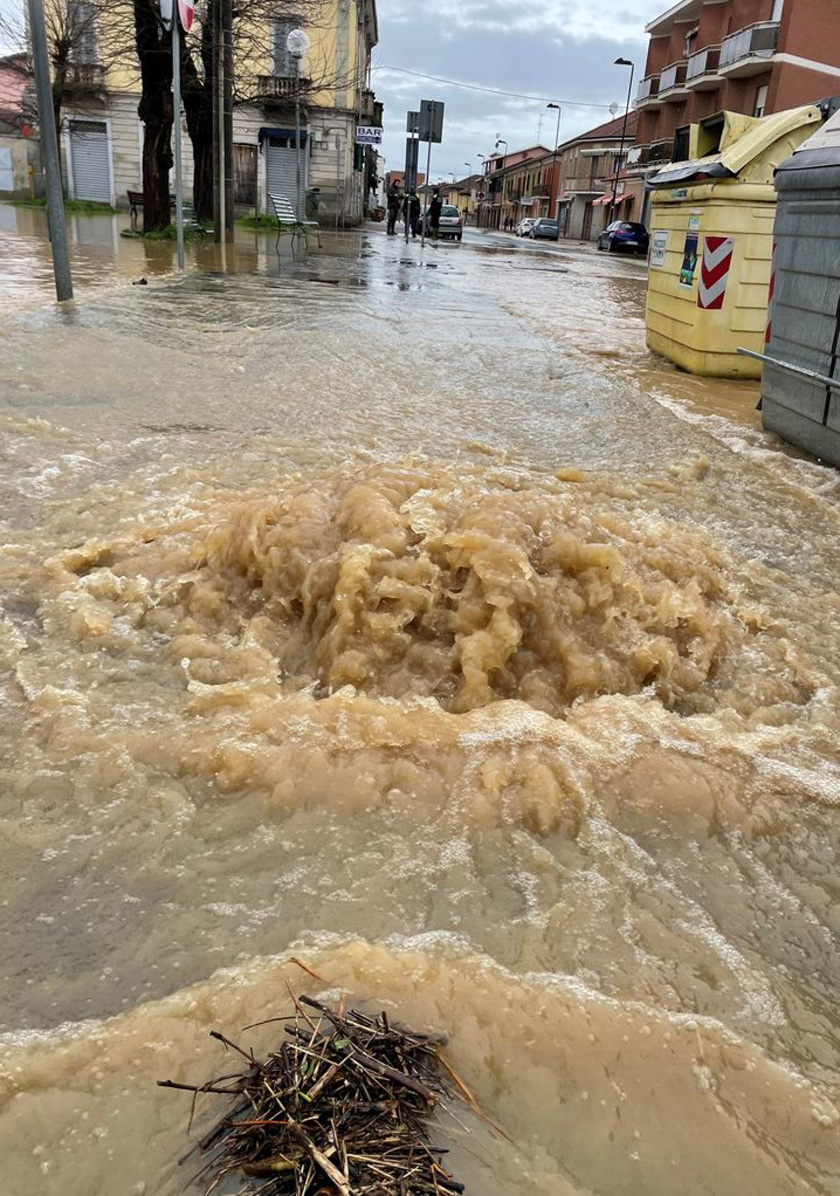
column 557, row 49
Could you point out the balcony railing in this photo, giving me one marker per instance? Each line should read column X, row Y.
column 280, row 87
column 85, row 76
column 702, row 70
column 368, row 106
column 672, row 78
column 648, row 89
column 745, row 52
column 660, row 151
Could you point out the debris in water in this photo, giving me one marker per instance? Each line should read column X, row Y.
column 343, row 1105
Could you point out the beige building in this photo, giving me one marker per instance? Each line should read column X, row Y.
column 102, row 135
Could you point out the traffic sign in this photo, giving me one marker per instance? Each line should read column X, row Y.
column 166, row 13
column 431, row 121
column 481, row 195
column 186, row 11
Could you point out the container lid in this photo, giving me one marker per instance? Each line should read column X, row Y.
column 759, row 137
column 827, row 137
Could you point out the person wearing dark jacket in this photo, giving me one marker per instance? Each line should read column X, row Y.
column 414, row 213
column 434, row 214
column 394, row 200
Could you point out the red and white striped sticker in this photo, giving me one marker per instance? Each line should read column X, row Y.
column 714, row 273
column 768, row 331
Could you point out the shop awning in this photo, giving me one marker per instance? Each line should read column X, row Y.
column 602, row 200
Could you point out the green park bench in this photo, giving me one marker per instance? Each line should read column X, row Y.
column 287, row 221
column 191, row 221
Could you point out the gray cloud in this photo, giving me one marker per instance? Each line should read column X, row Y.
column 562, row 49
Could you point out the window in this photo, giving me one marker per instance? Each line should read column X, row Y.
column 691, row 40
column 760, row 101
column 284, row 63
column 82, row 29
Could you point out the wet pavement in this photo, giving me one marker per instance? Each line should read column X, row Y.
column 394, row 608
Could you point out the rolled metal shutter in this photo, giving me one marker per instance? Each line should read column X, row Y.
column 281, row 168
column 89, row 158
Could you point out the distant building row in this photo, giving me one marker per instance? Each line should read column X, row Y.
column 753, row 57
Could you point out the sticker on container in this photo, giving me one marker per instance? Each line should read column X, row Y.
column 714, row 273
column 694, row 222
column 689, row 262
column 658, row 246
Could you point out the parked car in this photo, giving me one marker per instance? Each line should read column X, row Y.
column 546, row 229
column 524, row 226
column 450, row 223
column 624, row 235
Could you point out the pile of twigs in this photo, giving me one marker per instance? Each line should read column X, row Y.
column 343, row 1105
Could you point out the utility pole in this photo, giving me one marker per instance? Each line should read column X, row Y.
column 49, row 148
column 227, row 122
column 176, row 97
column 218, row 121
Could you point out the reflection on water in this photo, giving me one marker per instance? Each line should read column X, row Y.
column 369, row 607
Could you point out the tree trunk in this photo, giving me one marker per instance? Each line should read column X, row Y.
column 198, row 105
column 154, row 51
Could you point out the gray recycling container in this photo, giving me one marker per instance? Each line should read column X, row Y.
column 798, row 400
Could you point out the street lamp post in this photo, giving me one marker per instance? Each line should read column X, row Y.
column 469, row 185
column 501, row 141
column 480, row 207
column 622, row 62
column 297, row 44
column 556, row 145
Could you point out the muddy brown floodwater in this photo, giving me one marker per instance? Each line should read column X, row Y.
column 396, row 611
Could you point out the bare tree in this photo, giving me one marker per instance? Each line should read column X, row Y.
column 87, row 37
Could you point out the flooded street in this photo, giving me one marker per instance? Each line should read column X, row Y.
column 395, row 610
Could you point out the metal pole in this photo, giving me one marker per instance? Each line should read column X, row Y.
column 227, row 115
column 623, row 137
column 218, row 187
column 176, row 93
column 337, row 176
column 428, row 172
column 297, row 137
column 49, row 147
column 556, row 162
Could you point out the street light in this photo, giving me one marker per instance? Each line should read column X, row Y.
column 556, row 144
column 297, row 43
column 622, row 62
column 501, row 141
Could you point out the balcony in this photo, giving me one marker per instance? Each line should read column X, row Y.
column 83, row 78
column 279, row 87
column 368, row 106
column 660, row 152
column 749, row 51
column 702, row 71
column 672, row 86
column 647, row 95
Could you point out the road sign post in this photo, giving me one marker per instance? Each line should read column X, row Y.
column 430, row 129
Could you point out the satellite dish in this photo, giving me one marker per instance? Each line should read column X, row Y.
column 613, row 105
column 297, row 43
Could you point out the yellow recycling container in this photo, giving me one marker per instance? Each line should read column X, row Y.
column 711, row 244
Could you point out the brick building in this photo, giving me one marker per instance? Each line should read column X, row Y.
column 753, row 57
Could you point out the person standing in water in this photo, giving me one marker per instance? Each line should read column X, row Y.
column 393, row 207
column 434, row 214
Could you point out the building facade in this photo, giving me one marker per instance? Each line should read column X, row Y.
column 518, row 184
column 593, row 189
column 102, row 135
column 753, row 57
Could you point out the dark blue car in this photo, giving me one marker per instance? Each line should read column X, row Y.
column 624, row 237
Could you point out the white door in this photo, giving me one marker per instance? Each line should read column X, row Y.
column 281, row 167
column 90, row 160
